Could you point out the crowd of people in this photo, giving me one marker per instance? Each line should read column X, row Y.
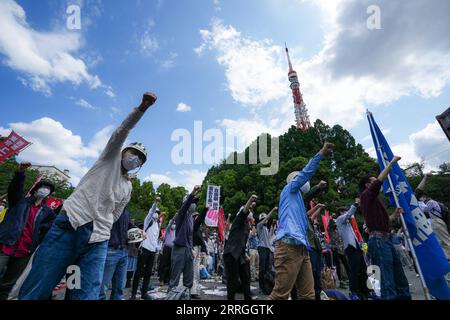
column 297, row 256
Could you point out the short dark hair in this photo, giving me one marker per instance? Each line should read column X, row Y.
column 362, row 183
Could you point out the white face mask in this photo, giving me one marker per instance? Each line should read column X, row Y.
column 155, row 216
column 173, row 227
column 42, row 192
column 131, row 162
column 192, row 207
column 305, row 188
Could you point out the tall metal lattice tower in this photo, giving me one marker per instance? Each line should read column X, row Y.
column 301, row 113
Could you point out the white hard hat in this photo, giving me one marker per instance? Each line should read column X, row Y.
column 139, row 147
column 291, row 176
column 135, row 235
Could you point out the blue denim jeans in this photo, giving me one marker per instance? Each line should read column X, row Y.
column 394, row 285
column 116, row 272
column 64, row 246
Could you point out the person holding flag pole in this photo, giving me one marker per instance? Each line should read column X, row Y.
column 428, row 256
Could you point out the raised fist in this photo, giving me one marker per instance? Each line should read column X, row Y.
column 148, row 99
column 327, row 148
column 396, row 159
column 196, row 189
column 24, row 165
column 322, row 184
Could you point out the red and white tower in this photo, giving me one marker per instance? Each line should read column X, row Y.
column 301, row 113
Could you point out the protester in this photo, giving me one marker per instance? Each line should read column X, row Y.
column 164, row 267
column 253, row 243
column 147, row 252
column 23, row 228
column 435, row 210
column 133, row 253
column 199, row 246
column 237, row 262
column 394, row 284
column 117, row 258
column 353, row 251
column 264, row 247
column 182, row 256
column 81, row 231
column 212, row 251
column 397, row 241
column 3, row 209
column 315, row 247
column 292, row 261
column 337, row 249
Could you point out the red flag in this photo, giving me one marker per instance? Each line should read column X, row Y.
column 356, row 230
column 13, row 144
column 161, row 218
column 53, row 203
column 221, row 224
column 326, row 220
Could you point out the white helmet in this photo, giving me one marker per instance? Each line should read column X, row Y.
column 135, row 235
column 139, row 147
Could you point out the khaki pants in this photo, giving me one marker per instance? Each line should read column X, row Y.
column 441, row 231
column 292, row 267
column 254, row 264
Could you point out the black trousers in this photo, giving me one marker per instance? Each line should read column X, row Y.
column 264, row 264
column 144, row 269
column 338, row 259
column 358, row 275
column 235, row 271
column 14, row 269
column 164, row 265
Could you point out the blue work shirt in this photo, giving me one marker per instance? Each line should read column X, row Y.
column 292, row 212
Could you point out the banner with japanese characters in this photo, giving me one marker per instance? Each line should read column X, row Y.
column 13, row 144
column 213, row 204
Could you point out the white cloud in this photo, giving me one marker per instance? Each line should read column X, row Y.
column 109, row 92
column 53, row 144
column 159, row 179
column 431, row 145
column 186, row 178
column 356, row 68
column 84, row 104
column 170, row 61
column 191, row 178
column 183, row 107
column 148, row 43
column 252, row 68
column 428, row 146
column 44, row 58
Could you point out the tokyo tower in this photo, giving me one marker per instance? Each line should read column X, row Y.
column 301, row 113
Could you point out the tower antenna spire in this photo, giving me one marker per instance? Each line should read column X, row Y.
column 301, row 113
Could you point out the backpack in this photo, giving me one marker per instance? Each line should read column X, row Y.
column 268, row 282
column 327, row 279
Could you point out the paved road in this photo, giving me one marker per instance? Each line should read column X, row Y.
column 214, row 289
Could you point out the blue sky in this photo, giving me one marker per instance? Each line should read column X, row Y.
column 66, row 90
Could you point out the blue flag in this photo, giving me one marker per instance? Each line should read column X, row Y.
column 432, row 259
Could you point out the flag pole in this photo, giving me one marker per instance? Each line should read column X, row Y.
column 408, row 238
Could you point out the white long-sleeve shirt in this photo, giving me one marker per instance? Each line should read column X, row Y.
column 104, row 191
column 151, row 242
column 345, row 229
